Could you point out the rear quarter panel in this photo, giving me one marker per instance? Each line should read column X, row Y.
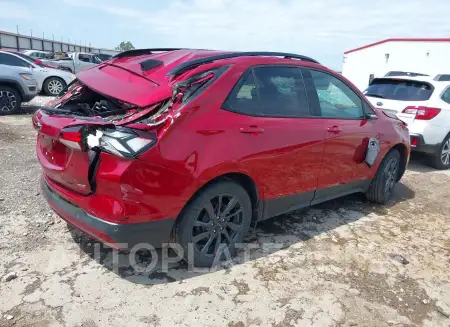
column 197, row 141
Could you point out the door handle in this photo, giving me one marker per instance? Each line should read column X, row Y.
column 251, row 130
column 334, row 129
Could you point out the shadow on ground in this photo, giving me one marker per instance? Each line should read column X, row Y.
column 279, row 232
column 418, row 163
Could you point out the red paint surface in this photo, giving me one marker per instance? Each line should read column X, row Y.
column 201, row 141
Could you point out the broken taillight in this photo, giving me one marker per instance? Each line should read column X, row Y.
column 72, row 137
column 122, row 142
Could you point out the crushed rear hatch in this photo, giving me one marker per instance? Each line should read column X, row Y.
column 65, row 126
column 109, row 109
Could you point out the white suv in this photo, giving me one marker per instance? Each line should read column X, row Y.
column 424, row 104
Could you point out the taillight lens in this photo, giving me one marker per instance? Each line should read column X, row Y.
column 72, row 137
column 422, row 113
column 124, row 142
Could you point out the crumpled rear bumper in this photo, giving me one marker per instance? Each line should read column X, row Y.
column 119, row 236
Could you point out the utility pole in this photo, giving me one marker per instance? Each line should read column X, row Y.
column 31, row 39
column 17, row 38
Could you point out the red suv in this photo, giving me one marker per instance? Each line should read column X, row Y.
column 196, row 145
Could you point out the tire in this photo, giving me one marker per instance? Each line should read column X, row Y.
column 441, row 160
column 196, row 231
column 10, row 100
column 53, row 86
column 380, row 190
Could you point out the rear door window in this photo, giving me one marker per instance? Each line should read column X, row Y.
column 399, row 89
column 273, row 91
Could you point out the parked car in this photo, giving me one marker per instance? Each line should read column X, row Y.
column 196, row 145
column 50, row 80
column 30, row 59
column 76, row 62
column 402, row 73
column 103, row 56
column 17, row 83
column 424, row 104
column 36, row 54
column 442, row 77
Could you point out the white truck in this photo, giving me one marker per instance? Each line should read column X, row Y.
column 75, row 62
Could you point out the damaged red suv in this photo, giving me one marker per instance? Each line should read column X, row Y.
column 194, row 146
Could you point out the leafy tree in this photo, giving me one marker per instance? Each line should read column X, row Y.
column 125, row 46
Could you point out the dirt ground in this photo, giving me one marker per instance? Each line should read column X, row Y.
column 343, row 263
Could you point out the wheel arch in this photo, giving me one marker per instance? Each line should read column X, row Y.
column 50, row 77
column 240, row 178
column 53, row 76
column 12, row 84
column 403, row 150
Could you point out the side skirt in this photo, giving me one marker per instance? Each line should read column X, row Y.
column 277, row 206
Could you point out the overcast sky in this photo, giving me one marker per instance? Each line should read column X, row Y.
column 323, row 29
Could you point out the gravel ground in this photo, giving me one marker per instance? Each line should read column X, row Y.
column 344, row 263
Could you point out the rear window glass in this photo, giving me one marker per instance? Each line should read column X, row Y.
column 399, row 89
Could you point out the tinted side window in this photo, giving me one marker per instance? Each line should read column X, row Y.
column 10, row 60
column 270, row 91
column 446, row 95
column 83, row 57
column 336, row 99
column 244, row 96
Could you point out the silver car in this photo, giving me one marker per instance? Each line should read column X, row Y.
column 50, row 80
column 17, row 83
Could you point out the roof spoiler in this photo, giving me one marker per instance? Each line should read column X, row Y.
column 140, row 52
column 201, row 61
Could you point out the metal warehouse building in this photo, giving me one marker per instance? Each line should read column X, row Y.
column 18, row 42
column 426, row 56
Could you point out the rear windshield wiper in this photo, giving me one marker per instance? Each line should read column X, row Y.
column 375, row 95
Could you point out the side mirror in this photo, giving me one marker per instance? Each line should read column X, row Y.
column 371, row 115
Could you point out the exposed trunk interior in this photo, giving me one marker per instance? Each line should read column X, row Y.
column 84, row 103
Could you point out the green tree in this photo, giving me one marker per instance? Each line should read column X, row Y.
column 125, row 46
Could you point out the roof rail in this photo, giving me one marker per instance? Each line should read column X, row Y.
column 140, row 52
column 201, row 61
